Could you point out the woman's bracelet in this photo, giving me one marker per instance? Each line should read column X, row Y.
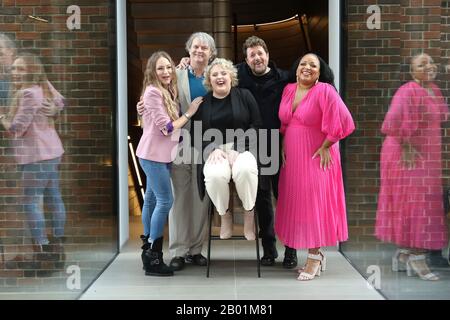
column 187, row 115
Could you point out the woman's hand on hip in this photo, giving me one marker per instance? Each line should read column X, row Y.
column 410, row 156
column 326, row 161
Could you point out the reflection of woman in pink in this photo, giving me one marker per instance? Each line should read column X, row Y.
column 37, row 148
column 410, row 207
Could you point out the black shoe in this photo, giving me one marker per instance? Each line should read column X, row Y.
column 290, row 258
column 197, row 259
column 269, row 256
column 177, row 263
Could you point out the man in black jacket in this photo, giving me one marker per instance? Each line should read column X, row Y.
column 266, row 82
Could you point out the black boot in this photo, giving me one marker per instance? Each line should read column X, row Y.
column 52, row 254
column 46, row 252
column 144, row 239
column 57, row 248
column 145, row 246
column 290, row 258
column 156, row 265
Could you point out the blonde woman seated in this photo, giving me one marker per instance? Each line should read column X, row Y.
column 227, row 109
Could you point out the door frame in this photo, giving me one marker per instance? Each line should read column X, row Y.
column 334, row 53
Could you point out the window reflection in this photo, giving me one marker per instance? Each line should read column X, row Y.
column 410, row 203
column 56, row 139
column 397, row 85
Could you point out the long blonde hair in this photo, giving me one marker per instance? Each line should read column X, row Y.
column 35, row 75
column 170, row 95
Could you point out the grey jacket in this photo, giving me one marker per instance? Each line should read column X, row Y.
column 184, row 93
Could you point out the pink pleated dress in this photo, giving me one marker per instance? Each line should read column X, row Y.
column 410, row 203
column 311, row 208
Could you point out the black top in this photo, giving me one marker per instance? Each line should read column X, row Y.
column 244, row 115
column 262, row 80
column 222, row 114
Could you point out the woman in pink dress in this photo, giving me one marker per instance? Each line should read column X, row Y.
column 410, row 208
column 311, row 204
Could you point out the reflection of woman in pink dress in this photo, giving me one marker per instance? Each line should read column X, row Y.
column 410, row 207
column 311, row 204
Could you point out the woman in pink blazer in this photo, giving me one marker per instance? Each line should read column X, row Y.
column 37, row 147
column 156, row 150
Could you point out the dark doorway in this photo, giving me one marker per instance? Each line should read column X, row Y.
column 289, row 27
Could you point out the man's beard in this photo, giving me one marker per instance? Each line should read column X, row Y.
column 260, row 72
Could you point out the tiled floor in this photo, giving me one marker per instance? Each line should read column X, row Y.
column 233, row 277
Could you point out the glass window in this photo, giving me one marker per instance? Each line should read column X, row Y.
column 397, row 179
column 58, row 224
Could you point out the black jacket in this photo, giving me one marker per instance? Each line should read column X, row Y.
column 245, row 116
column 268, row 95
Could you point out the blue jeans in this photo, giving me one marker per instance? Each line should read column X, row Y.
column 41, row 181
column 158, row 198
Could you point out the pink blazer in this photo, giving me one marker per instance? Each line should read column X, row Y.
column 154, row 144
column 35, row 136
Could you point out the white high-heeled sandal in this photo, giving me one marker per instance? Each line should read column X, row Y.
column 397, row 264
column 324, row 263
column 411, row 270
column 304, row 276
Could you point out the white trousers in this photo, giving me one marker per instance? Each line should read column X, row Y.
column 244, row 174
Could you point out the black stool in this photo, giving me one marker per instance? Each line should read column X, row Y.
column 211, row 237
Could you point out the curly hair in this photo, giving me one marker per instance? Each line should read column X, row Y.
column 226, row 65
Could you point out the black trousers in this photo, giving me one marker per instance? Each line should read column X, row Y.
column 264, row 209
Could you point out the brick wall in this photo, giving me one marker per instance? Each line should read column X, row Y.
column 79, row 63
column 377, row 63
column 445, row 79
